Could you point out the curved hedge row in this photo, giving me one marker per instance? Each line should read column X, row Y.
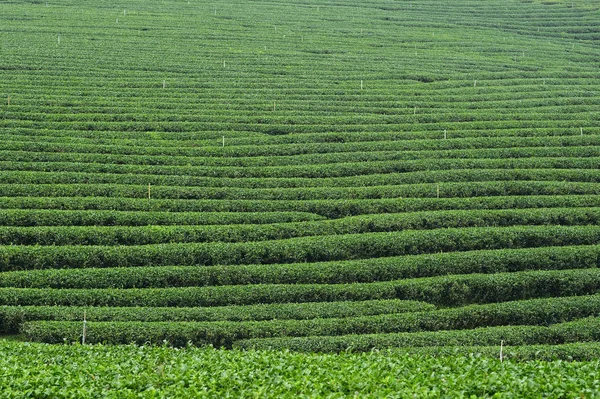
column 225, row 334
column 415, row 316
column 287, row 149
column 11, row 317
column 584, row 330
column 142, row 235
column 230, row 176
column 335, row 272
column 442, row 290
column 552, row 195
column 56, row 217
column 305, row 249
column 454, row 183
column 113, row 160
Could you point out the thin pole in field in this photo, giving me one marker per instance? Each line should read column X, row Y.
column 445, row 133
column 148, row 190
column 415, row 110
column 59, row 39
column 84, row 328
column 501, row 351
column 124, row 12
column 117, row 20
column 475, row 83
column 223, row 141
column 273, row 105
column 437, row 190
column 223, row 63
column 164, row 84
column 361, row 84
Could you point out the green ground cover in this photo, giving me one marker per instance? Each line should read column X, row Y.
column 37, row 370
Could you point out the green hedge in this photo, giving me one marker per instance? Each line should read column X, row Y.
column 452, row 184
column 305, row 249
column 81, row 160
column 287, row 149
column 444, row 290
column 142, row 235
column 554, row 195
column 335, row 272
column 260, row 176
column 55, row 217
column 584, row 330
column 11, row 317
column 416, row 316
column 579, row 351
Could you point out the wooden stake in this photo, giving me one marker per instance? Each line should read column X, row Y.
column 415, row 110
column 224, row 62
column 8, row 100
column 164, row 84
column 148, row 190
column 58, row 39
column 501, row 351
column 361, row 84
column 437, row 189
column 84, row 328
column 273, row 105
column 223, row 141
column 475, row 83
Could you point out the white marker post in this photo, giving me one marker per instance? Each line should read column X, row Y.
column 84, row 328
column 223, row 141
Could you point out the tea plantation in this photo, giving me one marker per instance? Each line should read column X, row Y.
column 306, row 175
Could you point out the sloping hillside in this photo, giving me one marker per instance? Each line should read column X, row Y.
column 302, row 174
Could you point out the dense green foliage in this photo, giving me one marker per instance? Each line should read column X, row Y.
column 75, row 371
column 300, row 175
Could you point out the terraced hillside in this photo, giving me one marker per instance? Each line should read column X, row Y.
column 314, row 175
